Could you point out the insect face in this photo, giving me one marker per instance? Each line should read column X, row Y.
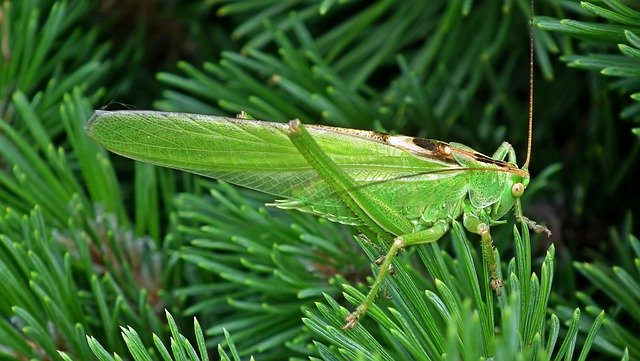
column 513, row 190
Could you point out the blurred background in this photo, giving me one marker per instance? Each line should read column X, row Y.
column 92, row 241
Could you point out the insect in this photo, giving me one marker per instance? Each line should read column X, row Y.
column 403, row 190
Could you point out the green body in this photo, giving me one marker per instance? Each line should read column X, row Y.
column 260, row 156
column 404, row 190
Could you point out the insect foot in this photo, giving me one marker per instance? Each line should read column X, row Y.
column 538, row 228
column 352, row 319
column 364, row 238
column 496, row 285
column 380, row 260
column 294, row 126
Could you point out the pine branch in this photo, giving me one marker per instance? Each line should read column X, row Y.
column 45, row 51
column 76, row 264
column 618, row 285
column 612, row 48
column 456, row 319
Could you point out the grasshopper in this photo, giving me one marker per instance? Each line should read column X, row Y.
column 402, row 190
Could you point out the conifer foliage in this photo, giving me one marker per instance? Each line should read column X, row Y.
column 102, row 258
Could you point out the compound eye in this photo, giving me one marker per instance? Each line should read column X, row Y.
column 517, row 190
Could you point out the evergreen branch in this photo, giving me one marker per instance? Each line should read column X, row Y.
column 604, row 42
column 45, row 51
column 620, row 285
column 452, row 322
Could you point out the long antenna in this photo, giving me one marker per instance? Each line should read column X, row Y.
column 528, row 158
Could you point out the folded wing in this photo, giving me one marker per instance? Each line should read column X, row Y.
column 260, row 156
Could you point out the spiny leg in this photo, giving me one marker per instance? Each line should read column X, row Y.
column 425, row 236
column 532, row 225
column 352, row 318
column 474, row 225
column 379, row 218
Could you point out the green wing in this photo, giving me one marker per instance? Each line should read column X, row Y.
column 260, row 156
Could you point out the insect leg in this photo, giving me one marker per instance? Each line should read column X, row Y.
column 532, row 225
column 352, row 318
column 505, row 150
column 377, row 216
column 474, row 225
column 425, row 236
column 381, row 218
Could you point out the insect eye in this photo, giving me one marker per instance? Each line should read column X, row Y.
column 517, row 190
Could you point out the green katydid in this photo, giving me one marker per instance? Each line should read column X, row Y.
column 405, row 190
